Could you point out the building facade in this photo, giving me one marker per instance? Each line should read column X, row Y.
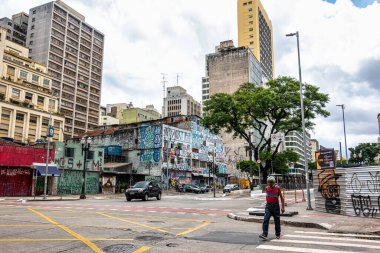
column 108, row 120
column 135, row 114
column 294, row 142
column 314, row 145
column 255, row 31
column 16, row 27
column 227, row 69
column 72, row 50
column 179, row 102
column 27, row 106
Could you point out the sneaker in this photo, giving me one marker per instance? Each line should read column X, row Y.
column 277, row 237
column 263, row 237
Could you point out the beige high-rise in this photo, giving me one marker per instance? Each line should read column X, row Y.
column 255, row 31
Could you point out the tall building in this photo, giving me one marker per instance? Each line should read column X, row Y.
column 227, row 69
column 27, row 106
column 378, row 121
column 16, row 27
column 72, row 50
column 314, row 145
column 255, row 31
column 179, row 102
column 116, row 110
column 294, row 142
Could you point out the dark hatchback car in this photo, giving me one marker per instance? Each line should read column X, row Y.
column 191, row 188
column 143, row 190
column 230, row 188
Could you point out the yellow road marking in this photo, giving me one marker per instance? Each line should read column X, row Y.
column 76, row 235
column 193, row 229
column 142, row 249
column 61, row 239
column 132, row 222
column 68, row 225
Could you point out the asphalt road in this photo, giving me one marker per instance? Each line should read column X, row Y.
column 186, row 223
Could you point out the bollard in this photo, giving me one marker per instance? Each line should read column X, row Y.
column 295, row 195
column 303, row 196
column 283, row 195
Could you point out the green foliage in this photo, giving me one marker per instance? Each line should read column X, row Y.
column 312, row 165
column 269, row 109
column 364, row 153
column 282, row 160
column 244, row 167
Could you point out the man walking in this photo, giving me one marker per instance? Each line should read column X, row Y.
column 272, row 208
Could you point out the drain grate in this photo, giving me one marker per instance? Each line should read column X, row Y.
column 157, row 221
column 172, row 245
column 119, row 248
column 148, row 238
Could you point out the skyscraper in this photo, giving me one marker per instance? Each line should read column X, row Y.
column 72, row 50
column 16, row 27
column 255, row 31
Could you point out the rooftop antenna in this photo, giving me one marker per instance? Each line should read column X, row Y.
column 177, row 78
column 163, row 89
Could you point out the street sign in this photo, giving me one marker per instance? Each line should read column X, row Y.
column 325, row 159
column 277, row 137
column 50, row 132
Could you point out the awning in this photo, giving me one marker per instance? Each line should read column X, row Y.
column 53, row 170
column 117, row 168
column 197, row 174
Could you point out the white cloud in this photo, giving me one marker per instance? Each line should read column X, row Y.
column 147, row 37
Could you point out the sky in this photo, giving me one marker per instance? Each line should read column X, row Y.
column 339, row 45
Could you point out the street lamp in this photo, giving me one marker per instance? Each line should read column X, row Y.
column 86, row 142
column 303, row 122
column 344, row 129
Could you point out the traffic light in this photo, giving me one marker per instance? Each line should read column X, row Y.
column 216, row 169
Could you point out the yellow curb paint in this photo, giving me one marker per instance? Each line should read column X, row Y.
column 142, row 249
column 193, row 229
column 76, row 235
column 61, row 239
column 132, row 222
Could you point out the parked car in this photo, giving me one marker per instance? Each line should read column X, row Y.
column 191, row 188
column 230, row 188
column 179, row 188
column 143, row 190
column 206, row 188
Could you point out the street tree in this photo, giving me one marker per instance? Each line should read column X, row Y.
column 364, row 153
column 269, row 109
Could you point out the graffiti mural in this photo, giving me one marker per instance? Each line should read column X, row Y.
column 127, row 138
column 71, row 182
column 149, row 143
column 330, row 190
column 357, row 188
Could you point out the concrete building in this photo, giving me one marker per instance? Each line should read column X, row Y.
column 16, row 27
column 179, row 102
column 106, row 120
column 255, row 31
column 136, row 114
column 72, row 50
column 227, row 69
column 378, row 121
column 294, row 142
column 116, row 110
column 25, row 96
column 314, row 145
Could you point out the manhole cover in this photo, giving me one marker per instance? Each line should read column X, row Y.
column 119, row 248
column 148, row 238
column 157, row 221
column 172, row 245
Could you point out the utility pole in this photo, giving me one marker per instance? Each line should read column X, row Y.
column 344, row 129
column 48, row 135
column 164, row 92
column 177, row 78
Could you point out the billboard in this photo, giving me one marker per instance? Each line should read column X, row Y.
column 325, row 159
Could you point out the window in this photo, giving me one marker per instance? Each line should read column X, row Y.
column 251, row 42
column 31, row 35
column 28, row 96
column 10, row 70
column 251, row 29
column 35, row 78
column 19, row 117
column 250, row 16
column 46, row 82
column 245, row 3
column 90, row 155
column 69, row 152
column 251, row 36
column 250, row 22
column 15, row 93
column 40, row 100
column 32, row 28
column 33, row 19
column 23, row 74
column 33, row 119
column 250, row 2
column 250, row 9
column 34, row 11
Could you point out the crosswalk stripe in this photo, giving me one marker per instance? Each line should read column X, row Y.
column 329, row 243
column 335, row 239
column 337, row 234
column 296, row 249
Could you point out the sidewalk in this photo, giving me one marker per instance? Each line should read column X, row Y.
column 313, row 219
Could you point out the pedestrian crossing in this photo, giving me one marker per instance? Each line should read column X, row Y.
column 322, row 242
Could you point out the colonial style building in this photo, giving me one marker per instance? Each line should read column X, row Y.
column 27, row 106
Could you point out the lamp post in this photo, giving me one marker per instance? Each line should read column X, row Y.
column 344, row 129
column 86, row 142
column 303, row 122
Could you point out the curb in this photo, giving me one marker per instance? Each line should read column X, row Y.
column 324, row 226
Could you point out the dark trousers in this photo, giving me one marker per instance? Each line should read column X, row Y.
column 272, row 210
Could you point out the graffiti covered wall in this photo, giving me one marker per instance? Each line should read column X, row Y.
column 149, row 146
column 348, row 191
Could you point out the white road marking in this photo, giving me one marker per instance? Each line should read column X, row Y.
column 296, row 249
column 329, row 238
column 337, row 234
column 329, row 243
